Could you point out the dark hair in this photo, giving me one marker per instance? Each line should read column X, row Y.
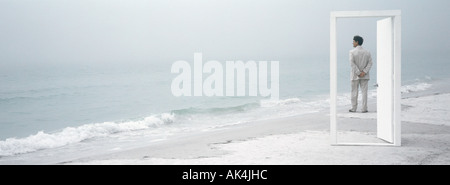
column 358, row 39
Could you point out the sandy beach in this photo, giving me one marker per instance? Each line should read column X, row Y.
column 304, row 139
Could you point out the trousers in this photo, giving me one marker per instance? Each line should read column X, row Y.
column 363, row 83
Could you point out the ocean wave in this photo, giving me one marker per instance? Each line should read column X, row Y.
column 420, row 86
column 69, row 135
column 30, row 98
column 216, row 110
column 273, row 103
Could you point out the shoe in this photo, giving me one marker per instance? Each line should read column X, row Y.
column 352, row 110
column 365, row 111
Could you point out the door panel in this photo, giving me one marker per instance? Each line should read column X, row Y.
column 384, row 80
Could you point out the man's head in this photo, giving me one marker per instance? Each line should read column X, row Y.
column 357, row 41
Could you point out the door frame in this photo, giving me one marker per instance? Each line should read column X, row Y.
column 396, row 77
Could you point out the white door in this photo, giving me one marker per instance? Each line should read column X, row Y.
column 385, row 90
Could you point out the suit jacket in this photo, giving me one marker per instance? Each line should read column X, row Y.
column 360, row 60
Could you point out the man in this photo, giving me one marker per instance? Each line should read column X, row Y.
column 360, row 62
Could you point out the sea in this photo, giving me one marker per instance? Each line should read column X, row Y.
column 64, row 111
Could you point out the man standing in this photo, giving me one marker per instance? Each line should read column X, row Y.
column 360, row 62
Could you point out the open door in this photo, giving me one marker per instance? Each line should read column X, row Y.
column 389, row 60
column 385, row 93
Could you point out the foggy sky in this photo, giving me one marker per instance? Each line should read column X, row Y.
column 112, row 31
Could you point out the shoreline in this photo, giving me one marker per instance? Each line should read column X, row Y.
column 303, row 139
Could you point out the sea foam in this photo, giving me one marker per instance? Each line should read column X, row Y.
column 69, row 135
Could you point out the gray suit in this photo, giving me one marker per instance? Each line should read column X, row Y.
column 360, row 61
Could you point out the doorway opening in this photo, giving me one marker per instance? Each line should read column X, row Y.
column 384, row 119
